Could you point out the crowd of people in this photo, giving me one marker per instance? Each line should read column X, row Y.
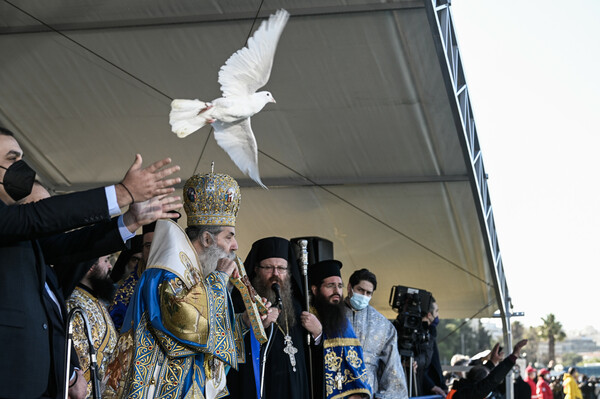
column 166, row 322
column 535, row 384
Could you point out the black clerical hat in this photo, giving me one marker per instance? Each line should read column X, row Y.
column 319, row 271
column 274, row 247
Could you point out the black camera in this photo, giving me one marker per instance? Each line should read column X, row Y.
column 411, row 304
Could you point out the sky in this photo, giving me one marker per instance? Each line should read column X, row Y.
column 532, row 69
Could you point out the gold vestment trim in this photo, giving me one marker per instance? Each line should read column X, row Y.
column 333, row 342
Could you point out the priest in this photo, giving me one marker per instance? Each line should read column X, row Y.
column 278, row 368
column 339, row 360
column 180, row 332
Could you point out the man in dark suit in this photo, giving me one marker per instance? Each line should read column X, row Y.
column 33, row 236
column 429, row 371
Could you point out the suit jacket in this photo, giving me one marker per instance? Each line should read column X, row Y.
column 31, row 236
column 431, row 373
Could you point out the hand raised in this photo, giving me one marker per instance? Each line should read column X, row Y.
column 141, row 184
column 142, row 213
column 496, row 354
column 518, row 347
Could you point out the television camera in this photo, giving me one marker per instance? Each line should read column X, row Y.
column 411, row 304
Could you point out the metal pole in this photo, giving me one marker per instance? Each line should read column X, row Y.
column 92, row 352
column 304, row 260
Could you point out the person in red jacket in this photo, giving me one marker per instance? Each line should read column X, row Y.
column 530, row 379
column 543, row 390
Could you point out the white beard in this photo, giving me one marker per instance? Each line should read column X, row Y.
column 210, row 257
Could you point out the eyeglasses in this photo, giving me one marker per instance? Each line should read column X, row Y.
column 280, row 269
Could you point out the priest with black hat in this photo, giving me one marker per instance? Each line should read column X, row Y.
column 339, row 361
column 278, row 368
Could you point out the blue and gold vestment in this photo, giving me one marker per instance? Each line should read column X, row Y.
column 180, row 334
column 120, row 303
column 344, row 367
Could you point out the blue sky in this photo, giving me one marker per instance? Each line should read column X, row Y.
column 532, row 71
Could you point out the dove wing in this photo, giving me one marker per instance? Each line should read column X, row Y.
column 239, row 143
column 249, row 68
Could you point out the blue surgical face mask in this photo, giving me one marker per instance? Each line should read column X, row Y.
column 358, row 301
column 435, row 322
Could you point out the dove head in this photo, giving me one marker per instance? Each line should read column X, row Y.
column 265, row 97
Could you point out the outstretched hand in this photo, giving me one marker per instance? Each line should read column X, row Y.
column 517, row 349
column 140, row 185
column 142, row 213
column 496, row 355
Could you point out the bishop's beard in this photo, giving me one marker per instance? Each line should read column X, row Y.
column 210, row 257
column 263, row 288
column 331, row 315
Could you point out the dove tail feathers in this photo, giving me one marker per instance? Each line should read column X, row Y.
column 256, row 178
column 187, row 116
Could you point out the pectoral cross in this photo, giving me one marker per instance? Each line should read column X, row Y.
column 290, row 350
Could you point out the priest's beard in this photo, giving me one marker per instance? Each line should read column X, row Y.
column 102, row 285
column 263, row 288
column 331, row 315
column 210, row 257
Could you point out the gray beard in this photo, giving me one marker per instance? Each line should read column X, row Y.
column 263, row 288
column 210, row 257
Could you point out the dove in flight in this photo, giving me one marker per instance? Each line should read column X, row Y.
column 247, row 70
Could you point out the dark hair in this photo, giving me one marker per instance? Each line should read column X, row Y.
column 477, row 373
column 363, row 274
column 431, row 302
column 5, row 132
column 195, row 232
column 572, row 370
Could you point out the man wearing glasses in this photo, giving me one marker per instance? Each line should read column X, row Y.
column 277, row 368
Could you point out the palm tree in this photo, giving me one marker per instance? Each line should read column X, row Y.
column 552, row 331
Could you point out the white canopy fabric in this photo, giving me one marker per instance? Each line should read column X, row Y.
column 361, row 148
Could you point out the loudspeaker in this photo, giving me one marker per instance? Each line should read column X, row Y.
column 318, row 249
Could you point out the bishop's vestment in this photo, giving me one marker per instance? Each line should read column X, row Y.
column 180, row 334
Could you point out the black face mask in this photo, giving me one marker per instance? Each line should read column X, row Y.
column 18, row 180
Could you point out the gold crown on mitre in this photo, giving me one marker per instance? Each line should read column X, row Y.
column 211, row 199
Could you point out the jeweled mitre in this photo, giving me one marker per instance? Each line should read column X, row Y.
column 211, row 199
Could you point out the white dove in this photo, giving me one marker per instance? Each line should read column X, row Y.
column 247, row 70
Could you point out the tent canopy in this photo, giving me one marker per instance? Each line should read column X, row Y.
column 362, row 147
